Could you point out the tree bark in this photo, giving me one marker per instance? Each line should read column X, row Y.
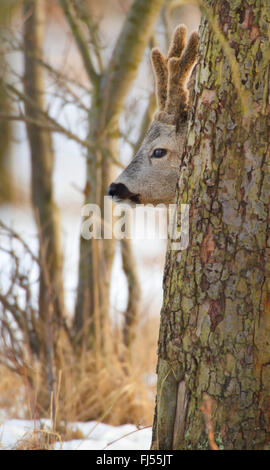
column 215, row 320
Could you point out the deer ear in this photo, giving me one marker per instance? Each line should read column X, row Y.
column 161, row 77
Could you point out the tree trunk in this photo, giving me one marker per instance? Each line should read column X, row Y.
column 51, row 293
column 134, row 292
column 91, row 321
column 6, row 189
column 215, row 322
column 6, row 184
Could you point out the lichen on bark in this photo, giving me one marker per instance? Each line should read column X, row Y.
column 215, row 320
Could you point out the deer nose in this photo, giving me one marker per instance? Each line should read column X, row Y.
column 119, row 190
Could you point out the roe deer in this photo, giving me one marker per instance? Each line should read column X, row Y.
column 152, row 175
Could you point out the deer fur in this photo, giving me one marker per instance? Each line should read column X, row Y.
column 150, row 177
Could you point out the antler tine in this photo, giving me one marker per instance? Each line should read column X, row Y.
column 172, row 72
column 179, row 69
column 178, row 42
column 188, row 59
column 159, row 63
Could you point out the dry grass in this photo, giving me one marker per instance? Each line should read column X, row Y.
column 45, row 439
column 38, row 440
column 116, row 392
column 11, row 393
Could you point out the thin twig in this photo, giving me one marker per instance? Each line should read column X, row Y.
column 80, row 41
column 125, row 435
column 56, row 127
column 86, row 17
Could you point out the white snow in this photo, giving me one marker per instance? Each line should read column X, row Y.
column 96, row 436
column 12, row 431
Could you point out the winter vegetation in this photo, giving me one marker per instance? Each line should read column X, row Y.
column 162, row 103
column 51, row 368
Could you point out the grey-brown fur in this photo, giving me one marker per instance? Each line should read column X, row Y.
column 149, row 179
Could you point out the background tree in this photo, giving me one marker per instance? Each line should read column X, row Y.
column 5, row 131
column 110, row 85
column 214, row 334
column 42, row 161
column 51, row 290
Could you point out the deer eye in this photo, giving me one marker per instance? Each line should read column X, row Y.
column 159, row 153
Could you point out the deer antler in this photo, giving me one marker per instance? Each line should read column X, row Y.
column 172, row 73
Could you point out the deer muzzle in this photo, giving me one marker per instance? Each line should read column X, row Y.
column 119, row 192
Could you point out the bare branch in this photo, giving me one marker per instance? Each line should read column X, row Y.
column 80, row 41
column 55, row 126
column 15, row 235
column 52, row 126
column 86, row 17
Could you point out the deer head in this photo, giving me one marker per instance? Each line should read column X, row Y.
column 152, row 175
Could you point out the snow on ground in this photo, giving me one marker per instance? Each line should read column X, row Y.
column 96, row 436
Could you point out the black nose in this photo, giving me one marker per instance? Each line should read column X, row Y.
column 119, row 190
